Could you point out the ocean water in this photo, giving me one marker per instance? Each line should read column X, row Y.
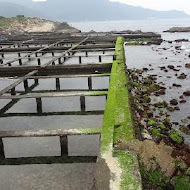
column 157, row 25
column 154, row 25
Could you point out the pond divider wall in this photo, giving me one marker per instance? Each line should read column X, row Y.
column 117, row 169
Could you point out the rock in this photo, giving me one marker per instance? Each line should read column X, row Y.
column 145, row 69
column 181, row 40
column 174, row 102
column 177, row 48
column 182, row 101
column 178, row 29
column 167, row 123
column 149, row 113
column 177, row 85
column 161, row 153
column 185, row 130
column 182, row 76
column 186, row 93
column 163, row 68
column 187, row 65
column 171, row 67
column 169, row 108
column 162, row 104
column 146, row 135
column 161, row 92
column 183, row 153
column 176, row 108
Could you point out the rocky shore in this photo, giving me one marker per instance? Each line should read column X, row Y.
column 158, row 91
column 178, row 29
column 21, row 24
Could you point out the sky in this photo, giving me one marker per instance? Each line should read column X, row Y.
column 182, row 5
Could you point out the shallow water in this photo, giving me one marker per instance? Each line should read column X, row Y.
column 142, row 56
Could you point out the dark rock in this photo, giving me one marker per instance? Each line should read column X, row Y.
column 176, row 108
column 181, row 40
column 186, row 93
column 185, row 129
column 169, row 108
column 171, row 67
column 163, row 68
column 145, row 69
column 161, row 92
column 177, row 85
column 187, row 65
column 182, row 101
column 149, row 113
column 162, row 104
column 182, row 76
column 174, row 102
column 178, row 47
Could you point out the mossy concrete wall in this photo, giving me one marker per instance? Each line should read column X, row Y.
column 117, row 169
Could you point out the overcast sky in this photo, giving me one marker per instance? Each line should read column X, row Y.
column 183, row 5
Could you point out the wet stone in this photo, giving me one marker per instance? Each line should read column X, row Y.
column 186, row 93
column 173, row 102
column 182, row 76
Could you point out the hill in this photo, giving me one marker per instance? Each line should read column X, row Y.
column 22, row 24
column 90, row 10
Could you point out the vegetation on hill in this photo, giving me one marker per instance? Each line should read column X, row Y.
column 22, row 24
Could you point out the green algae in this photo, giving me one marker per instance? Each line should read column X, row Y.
column 156, row 132
column 151, row 123
column 117, row 112
column 118, row 123
column 138, row 41
column 176, row 137
column 127, row 162
column 154, row 178
column 182, row 183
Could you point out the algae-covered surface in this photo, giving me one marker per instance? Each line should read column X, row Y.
column 118, row 127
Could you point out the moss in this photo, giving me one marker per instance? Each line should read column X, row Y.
column 91, row 130
column 154, row 87
column 169, row 108
column 156, row 132
column 117, row 122
column 182, row 183
column 162, row 127
column 147, row 99
column 138, row 41
column 127, row 162
column 176, row 137
column 154, row 178
column 162, row 104
column 97, row 93
column 135, row 84
column 151, row 123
